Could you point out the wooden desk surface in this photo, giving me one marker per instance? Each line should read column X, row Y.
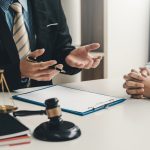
column 123, row 127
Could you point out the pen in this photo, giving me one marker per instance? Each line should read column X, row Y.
column 34, row 60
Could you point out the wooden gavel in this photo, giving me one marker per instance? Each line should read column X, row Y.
column 52, row 110
column 55, row 129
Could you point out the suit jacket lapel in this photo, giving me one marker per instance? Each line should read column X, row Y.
column 39, row 14
column 7, row 39
column 40, row 18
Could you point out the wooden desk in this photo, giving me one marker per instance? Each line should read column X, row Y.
column 123, row 127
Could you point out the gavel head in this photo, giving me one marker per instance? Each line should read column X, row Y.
column 53, row 110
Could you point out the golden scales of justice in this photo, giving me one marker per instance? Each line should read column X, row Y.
column 8, row 105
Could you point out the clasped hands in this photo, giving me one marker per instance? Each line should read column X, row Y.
column 78, row 58
column 137, row 83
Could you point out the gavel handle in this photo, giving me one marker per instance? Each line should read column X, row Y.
column 24, row 113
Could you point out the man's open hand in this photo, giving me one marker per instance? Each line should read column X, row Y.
column 80, row 57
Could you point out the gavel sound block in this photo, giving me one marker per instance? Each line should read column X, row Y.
column 55, row 129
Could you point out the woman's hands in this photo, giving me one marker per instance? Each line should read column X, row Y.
column 137, row 83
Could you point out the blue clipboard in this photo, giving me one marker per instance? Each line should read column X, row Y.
column 92, row 110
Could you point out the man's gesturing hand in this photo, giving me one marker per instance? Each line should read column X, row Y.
column 38, row 70
column 80, row 57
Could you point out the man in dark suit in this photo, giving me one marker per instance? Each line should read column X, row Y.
column 38, row 28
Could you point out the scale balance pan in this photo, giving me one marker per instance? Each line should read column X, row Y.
column 7, row 108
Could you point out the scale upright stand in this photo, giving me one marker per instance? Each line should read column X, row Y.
column 5, row 108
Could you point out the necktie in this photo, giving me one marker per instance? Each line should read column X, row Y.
column 20, row 34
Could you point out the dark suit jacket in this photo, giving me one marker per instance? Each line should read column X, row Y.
column 55, row 39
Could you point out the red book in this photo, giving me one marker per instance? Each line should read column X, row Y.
column 25, row 139
column 12, row 131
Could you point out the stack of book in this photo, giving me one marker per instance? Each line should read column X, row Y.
column 13, row 132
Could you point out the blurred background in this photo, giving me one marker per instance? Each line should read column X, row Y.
column 120, row 26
